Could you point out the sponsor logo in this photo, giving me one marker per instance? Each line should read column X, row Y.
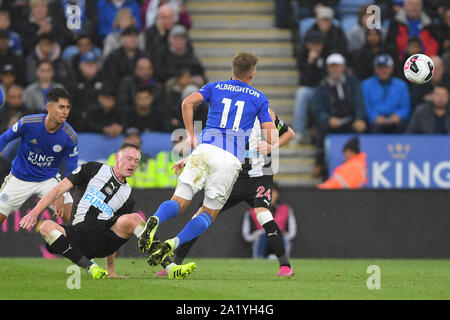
column 96, row 199
column 15, row 127
column 33, row 141
column 40, row 160
column 399, row 151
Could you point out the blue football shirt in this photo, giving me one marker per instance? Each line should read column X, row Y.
column 41, row 152
column 233, row 108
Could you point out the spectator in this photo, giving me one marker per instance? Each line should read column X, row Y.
column 104, row 116
column 432, row 117
column 176, row 90
column 149, row 12
column 49, row 50
column 443, row 31
column 8, row 57
column 356, row 37
column 253, row 232
column 35, row 94
column 72, row 56
column 412, row 22
column 335, row 39
column 7, row 77
column 86, row 18
column 156, row 37
column 85, row 89
column 178, row 56
column 308, row 8
column 38, row 23
column 107, row 11
column 311, row 63
column 147, row 115
column 124, row 19
column 143, row 76
column 386, row 98
column 15, row 44
column 352, row 174
column 423, row 92
column 362, row 63
column 13, row 109
column 122, row 61
column 338, row 106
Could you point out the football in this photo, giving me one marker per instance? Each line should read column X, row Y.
column 418, row 68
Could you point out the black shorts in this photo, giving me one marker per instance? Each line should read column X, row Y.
column 257, row 192
column 94, row 239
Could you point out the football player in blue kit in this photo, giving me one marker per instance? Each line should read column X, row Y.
column 46, row 140
column 215, row 164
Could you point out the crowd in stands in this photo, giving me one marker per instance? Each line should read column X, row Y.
column 351, row 68
column 127, row 63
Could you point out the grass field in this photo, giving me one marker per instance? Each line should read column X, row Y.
column 230, row 279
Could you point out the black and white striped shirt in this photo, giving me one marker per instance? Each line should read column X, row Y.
column 104, row 196
column 256, row 164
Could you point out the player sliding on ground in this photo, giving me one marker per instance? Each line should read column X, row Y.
column 46, row 140
column 103, row 221
column 215, row 164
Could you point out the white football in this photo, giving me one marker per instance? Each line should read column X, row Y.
column 418, row 68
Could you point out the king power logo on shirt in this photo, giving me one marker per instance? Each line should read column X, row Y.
column 40, row 160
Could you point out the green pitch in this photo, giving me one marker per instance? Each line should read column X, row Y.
column 230, row 279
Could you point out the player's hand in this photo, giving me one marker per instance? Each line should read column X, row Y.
column 29, row 220
column 59, row 207
column 263, row 147
column 191, row 142
column 179, row 165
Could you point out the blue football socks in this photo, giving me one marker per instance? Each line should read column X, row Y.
column 194, row 228
column 167, row 210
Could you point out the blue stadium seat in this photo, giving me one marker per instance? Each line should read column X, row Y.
column 94, row 146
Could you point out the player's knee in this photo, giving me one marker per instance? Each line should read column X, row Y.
column 46, row 227
column 130, row 221
column 135, row 218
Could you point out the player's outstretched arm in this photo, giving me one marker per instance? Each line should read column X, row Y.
column 30, row 219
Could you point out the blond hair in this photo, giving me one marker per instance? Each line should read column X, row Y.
column 243, row 64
